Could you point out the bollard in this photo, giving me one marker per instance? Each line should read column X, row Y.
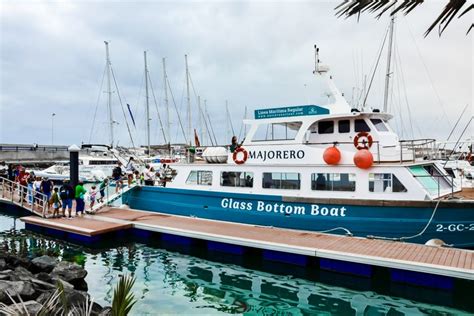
column 74, row 165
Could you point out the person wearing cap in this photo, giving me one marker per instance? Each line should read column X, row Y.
column 80, row 191
column 66, row 194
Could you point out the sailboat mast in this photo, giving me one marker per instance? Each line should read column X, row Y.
column 109, row 94
column 165, row 85
column 147, row 106
column 190, row 132
column 228, row 121
column 199, row 118
column 389, row 59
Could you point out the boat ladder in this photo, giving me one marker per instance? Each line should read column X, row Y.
column 24, row 197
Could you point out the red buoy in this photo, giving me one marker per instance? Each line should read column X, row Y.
column 332, row 155
column 363, row 159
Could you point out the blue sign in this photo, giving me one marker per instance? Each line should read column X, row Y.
column 300, row 110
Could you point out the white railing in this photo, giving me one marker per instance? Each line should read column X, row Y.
column 28, row 199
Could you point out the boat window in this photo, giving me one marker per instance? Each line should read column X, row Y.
column 379, row 125
column 237, row 179
column 361, row 126
column 102, row 162
column 344, row 126
column 199, row 177
column 281, row 180
column 333, row 181
column 325, row 127
column 385, row 182
column 277, row 131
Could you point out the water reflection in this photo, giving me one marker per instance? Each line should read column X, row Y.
column 173, row 283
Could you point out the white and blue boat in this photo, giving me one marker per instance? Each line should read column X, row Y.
column 321, row 168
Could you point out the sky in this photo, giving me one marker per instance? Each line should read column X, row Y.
column 254, row 54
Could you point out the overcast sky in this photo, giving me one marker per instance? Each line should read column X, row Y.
column 254, row 54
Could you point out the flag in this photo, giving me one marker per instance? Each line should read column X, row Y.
column 131, row 115
column 196, row 139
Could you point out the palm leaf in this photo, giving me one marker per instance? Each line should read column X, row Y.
column 350, row 8
column 123, row 299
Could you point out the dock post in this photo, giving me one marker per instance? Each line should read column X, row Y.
column 74, row 164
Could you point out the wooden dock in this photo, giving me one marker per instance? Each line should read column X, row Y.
column 447, row 262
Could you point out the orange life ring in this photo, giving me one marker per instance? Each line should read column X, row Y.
column 236, row 152
column 364, row 144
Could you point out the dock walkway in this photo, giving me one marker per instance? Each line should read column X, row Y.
column 450, row 262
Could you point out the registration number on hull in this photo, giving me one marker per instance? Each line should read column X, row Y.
column 455, row 227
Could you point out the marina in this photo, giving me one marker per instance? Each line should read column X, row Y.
column 270, row 171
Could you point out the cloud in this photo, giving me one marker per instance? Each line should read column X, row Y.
column 254, row 54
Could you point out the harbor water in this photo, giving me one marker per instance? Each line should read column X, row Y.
column 172, row 282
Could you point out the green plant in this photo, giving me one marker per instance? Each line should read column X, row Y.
column 123, row 299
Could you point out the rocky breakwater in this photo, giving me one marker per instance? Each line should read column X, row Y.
column 35, row 281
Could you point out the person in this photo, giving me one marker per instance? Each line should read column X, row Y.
column 92, row 195
column 163, row 174
column 149, row 176
column 37, row 188
column 79, row 196
column 117, row 176
column 234, row 144
column 66, row 193
column 102, row 187
column 46, row 187
column 23, row 180
column 130, row 168
column 29, row 184
column 249, row 181
column 56, row 203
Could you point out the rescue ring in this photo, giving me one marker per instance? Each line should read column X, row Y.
column 363, row 140
column 243, row 159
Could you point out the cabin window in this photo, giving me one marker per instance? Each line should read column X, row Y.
column 361, row 126
column 333, row 181
column 326, row 127
column 344, row 126
column 379, row 125
column 385, row 182
column 237, row 179
column 199, row 177
column 277, row 131
column 281, row 180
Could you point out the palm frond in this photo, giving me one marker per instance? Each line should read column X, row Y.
column 350, row 8
column 84, row 309
column 15, row 309
column 123, row 299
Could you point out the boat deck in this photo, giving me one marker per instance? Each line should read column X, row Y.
column 457, row 263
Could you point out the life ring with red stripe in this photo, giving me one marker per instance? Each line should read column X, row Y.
column 236, row 158
column 363, row 140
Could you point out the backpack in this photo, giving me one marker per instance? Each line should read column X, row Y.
column 117, row 172
column 63, row 194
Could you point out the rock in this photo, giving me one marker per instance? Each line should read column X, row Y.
column 76, row 298
column 3, row 264
column 72, row 273
column 45, row 277
column 106, row 311
column 44, row 263
column 66, row 285
column 32, row 307
column 14, row 261
column 21, row 274
column 22, row 288
column 42, row 285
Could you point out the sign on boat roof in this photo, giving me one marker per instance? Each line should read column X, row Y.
column 289, row 111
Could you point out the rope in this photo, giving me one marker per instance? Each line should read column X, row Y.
column 413, row 236
column 97, row 103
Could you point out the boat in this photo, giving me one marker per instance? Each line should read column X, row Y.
column 330, row 169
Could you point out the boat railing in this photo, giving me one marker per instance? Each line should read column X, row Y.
column 25, row 197
column 423, row 148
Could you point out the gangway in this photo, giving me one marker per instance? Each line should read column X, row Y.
column 109, row 199
column 24, row 197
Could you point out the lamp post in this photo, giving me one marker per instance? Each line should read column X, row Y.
column 52, row 128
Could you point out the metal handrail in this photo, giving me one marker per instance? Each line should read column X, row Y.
column 38, row 199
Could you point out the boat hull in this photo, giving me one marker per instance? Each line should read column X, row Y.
column 452, row 221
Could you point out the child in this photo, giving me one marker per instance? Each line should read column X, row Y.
column 92, row 195
column 102, row 187
column 55, row 202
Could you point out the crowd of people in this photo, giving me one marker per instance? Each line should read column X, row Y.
column 61, row 197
